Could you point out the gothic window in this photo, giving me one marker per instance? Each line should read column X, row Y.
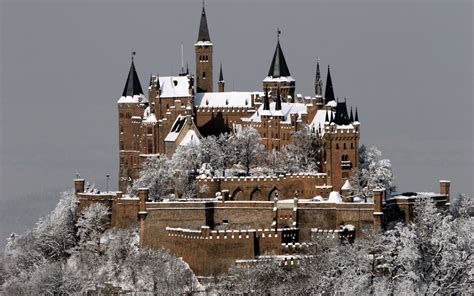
column 337, row 145
column 345, row 146
column 203, row 74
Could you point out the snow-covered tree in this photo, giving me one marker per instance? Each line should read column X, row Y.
column 303, row 155
column 155, row 175
column 185, row 164
column 247, row 148
column 373, row 172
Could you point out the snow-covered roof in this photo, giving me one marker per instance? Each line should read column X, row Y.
column 334, row 197
column 174, row 86
column 332, row 104
column 320, row 118
column 132, row 99
column 286, row 110
column 202, row 43
column 190, row 137
column 176, row 128
column 225, row 99
column 347, row 186
column 278, row 79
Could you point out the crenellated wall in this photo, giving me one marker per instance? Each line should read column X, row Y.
column 307, row 185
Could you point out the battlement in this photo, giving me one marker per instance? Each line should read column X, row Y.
column 206, row 234
column 226, row 109
column 262, row 178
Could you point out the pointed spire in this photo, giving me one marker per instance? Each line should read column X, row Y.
column 329, row 93
column 341, row 116
column 356, row 116
column 278, row 68
column 132, row 86
column 203, row 30
column 221, row 77
column 318, row 73
column 351, row 118
column 266, row 102
column 278, row 100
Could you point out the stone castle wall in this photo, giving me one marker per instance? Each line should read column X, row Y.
column 264, row 188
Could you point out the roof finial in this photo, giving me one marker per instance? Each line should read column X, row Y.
column 278, row 34
column 133, row 53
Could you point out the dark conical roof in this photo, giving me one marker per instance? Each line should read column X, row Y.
column 203, row 30
column 278, row 68
column 329, row 93
column 221, row 76
column 356, row 116
column 341, row 118
column 351, row 117
column 132, row 86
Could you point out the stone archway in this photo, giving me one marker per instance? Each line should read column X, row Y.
column 237, row 194
column 274, row 193
column 257, row 195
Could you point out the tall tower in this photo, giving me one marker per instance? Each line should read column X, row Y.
column 341, row 145
column 279, row 76
column 318, row 85
column 203, row 50
column 131, row 106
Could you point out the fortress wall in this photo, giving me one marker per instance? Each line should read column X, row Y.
column 244, row 216
column 261, row 188
column 200, row 249
column 331, row 216
column 124, row 212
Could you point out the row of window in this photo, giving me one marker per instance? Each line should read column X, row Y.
column 127, row 115
column 344, row 146
column 203, row 58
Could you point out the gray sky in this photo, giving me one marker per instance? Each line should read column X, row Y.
column 407, row 65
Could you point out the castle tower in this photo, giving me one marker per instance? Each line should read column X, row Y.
column 318, row 85
column 340, row 146
column 221, row 83
column 329, row 93
column 131, row 106
column 203, row 50
column 279, row 75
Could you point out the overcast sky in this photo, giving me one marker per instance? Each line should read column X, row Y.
column 407, row 65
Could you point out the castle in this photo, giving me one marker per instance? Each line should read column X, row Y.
column 184, row 108
column 241, row 219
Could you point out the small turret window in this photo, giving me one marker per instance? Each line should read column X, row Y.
column 203, row 74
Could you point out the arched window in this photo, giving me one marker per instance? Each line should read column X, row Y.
column 203, row 74
column 337, row 145
column 345, row 146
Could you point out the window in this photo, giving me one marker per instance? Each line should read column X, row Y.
column 345, row 146
column 337, row 145
column 122, row 145
column 121, row 129
column 352, row 145
column 150, row 147
column 149, row 131
column 203, row 74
